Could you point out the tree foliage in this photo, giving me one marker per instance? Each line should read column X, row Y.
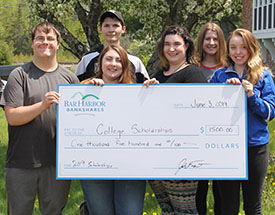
column 14, row 27
column 5, row 54
column 77, row 20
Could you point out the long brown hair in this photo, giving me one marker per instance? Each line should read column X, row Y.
column 255, row 66
column 221, row 54
column 181, row 31
column 126, row 75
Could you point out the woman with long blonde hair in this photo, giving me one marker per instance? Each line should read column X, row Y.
column 245, row 67
column 211, row 49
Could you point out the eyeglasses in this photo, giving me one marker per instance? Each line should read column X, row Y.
column 41, row 39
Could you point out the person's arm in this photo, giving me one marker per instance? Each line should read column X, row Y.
column 21, row 115
column 216, row 76
column 143, row 70
column 139, row 67
column 80, row 68
column 83, row 65
column 262, row 102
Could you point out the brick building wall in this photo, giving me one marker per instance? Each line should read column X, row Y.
column 247, row 24
column 247, row 14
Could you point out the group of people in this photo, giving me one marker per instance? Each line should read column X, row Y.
column 30, row 99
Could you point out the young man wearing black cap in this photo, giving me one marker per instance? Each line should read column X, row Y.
column 112, row 26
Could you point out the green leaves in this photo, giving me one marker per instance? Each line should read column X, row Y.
column 145, row 19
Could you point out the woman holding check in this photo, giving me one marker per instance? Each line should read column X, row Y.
column 110, row 197
column 245, row 67
column 176, row 51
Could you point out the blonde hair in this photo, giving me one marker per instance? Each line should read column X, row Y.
column 126, row 76
column 255, row 66
column 221, row 54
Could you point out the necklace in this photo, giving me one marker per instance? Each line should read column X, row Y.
column 184, row 63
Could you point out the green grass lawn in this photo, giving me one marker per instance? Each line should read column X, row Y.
column 150, row 205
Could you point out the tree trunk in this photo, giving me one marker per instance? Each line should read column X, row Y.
column 89, row 23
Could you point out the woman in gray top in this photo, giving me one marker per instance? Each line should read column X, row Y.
column 211, row 54
column 211, row 49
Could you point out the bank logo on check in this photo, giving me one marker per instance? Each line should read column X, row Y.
column 84, row 104
column 84, row 96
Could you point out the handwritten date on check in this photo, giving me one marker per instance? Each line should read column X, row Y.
column 165, row 131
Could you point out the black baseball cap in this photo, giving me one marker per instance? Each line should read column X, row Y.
column 112, row 14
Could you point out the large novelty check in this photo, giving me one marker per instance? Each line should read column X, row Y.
column 166, row 131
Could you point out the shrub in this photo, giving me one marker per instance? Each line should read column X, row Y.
column 5, row 54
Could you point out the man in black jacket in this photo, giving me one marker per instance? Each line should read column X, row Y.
column 111, row 27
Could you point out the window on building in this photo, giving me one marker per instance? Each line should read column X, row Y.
column 255, row 19
column 260, row 19
column 265, row 17
column 269, row 16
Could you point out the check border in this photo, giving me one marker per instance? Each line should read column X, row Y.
column 141, row 177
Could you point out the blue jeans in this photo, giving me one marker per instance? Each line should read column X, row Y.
column 114, row 197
